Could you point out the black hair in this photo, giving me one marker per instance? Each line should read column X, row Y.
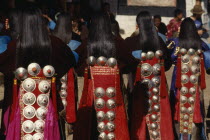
column 105, row 4
column 157, row 16
column 63, row 29
column 177, row 12
column 188, row 36
column 15, row 21
column 100, row 40
column 148, row 36
column 33, row 44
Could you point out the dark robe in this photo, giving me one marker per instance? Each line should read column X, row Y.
column 62, row 60
column 138, row 100
column 120, row 56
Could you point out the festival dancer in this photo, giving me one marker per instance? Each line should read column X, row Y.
column 188, row 82
column 101, row 113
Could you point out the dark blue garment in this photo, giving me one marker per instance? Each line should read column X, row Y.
column 4, row 41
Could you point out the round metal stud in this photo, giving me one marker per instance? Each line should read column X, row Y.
column 183, row 51
column 146, row 69
column 101, row 61
column 91, row 61
column 149, row 93
column 186, row 124
column 186, row 117
column 190, row 110
column 154, row 126
column 196, row 60
column 110, row 92
column 34, row 69
column 99, row 92
column 195, row 69
column 29, row 98
column 147, row 83
column 110, row 136
column 39, row 126
column 158, row 53
column 183, row 99
column 192, row 90
column 29, row 85
column 49, row 71
column 43, row 100
column 63, row 93
column 185, row 59
column 183, row 109
column 155, row 98
column 101, row 127
column 28, row 137
column 150, row 55
column 110, row 115
column 41, row 113
column 99, row 103
column 185, row 131
column 185, row 68
column 64, row 78
column 156, row 69
column 44, row 86
column 184, row 79
column 143, row 56
column 150, row 109
column 155, row 134
column 184, row 90
column 111, row 104
column 21, row 73
column 154, row 117
column 150, row 102
column 38, row 136
column 191, row 51
column 112, row 62
column 155, row 90
column 102, row 136
column 156, row 108
column 29, row 112
column 191, row 100
column 63, row 86
column 64, row 102
column 28, row 126
column 100, row 116
column 199, row 51
column 193, row 79
column 110, row 126
column 156, row 81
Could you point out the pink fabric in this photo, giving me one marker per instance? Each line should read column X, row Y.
column 172, row 27
column 6, row 120
column 14, row 126
column 51, row 131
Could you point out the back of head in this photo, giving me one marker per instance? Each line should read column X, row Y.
column 33, row 43
column 188, row 37
column 177, row 12
column 63, row 29
column 100, row 40
column 15, row 21
column 148, row 35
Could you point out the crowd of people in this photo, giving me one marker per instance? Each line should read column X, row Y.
column 64, row 74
